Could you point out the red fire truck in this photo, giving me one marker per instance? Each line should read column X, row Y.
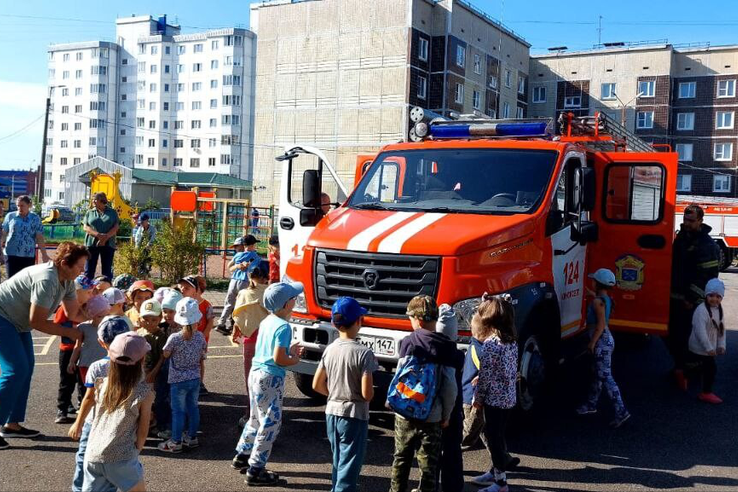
column 474, row 206
column 722, row 215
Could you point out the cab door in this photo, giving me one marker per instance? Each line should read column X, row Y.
column 635, row 216
column 294, row 230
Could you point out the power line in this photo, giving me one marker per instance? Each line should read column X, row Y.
column 21, row 130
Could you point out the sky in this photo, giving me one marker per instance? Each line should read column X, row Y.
column 28, row 27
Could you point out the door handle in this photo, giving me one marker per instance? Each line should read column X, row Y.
column 652, row 241
column 286, row 223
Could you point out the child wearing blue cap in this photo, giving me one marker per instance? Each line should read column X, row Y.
column 266, row 384
column 344, row 375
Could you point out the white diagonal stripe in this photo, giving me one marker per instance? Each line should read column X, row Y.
column 394, row 242
column 360, row 242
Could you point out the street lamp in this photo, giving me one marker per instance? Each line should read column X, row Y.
column 624, row 105
column 42, row 166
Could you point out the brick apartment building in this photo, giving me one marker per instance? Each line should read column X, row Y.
column 342, row 75
column 682, row 96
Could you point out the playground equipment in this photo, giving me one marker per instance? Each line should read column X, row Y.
column 105, row 183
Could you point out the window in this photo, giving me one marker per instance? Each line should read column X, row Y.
column 78, row 91
column 63, row 161
column 142, row 104
column 180, row 68
column 152, row 87
column 99, row 70
column 459, row 95
column 61, row 194
column 685, row 152
column 198, row 48
column 125, row 61
column 685, row 121
column 166, row 87
column 165, row 143
column 213, row 84
column 141, row 67
column 492, row 82
column 476, row 99
column 154, row 50
column 573, row 102
column 684, row 182
column 608, row 91
column 78, row 74
column 47, row 193
column 164, row 162
column 506, row 110
column 64, row 144
column 152, row 124
column 65, row 92
column 165, row 106
column 634, row 193
column 122, row 150
column 212, row 142
column 179, row 106
column 141, row 49
column 423, row 49
column 213, row 64
column 152, row 106
column 141, row 85
column 65, row 74
column 178, row 125
column 78, row 108
column 228, row 119
column 195, row 124
column 213, row 103
column 165, row 123
column 214, row 44
column 79, row 56
column 724, row 120
column 508, row 78
column 178, row 144
column 539, row 94
column 211, row 161
column 78, row 126
column 233, row 41
column 65, row 57
column 726, row 88
column 93, row 141
column 477, row 64
column 422, row 87
column 76, row 161
column 647, row 88
column 150, row 161
column 231, row 100
column 65, row 126
column 521, row 84
column 197, row 67
column 686, row 91
column 519, row 113
column 181, row 49
column 152, row 142
column 231, row 80
column 139, row 158
column 166, row 68
column 721, row 183
column 153, row 69
column 123, row 114
column 644, row 120
column 213, row 122
column 97, row 88
column 180, row 87
column 196, row 105
column 723, row 151
column 195, row 143
column 78, row 144
column 167, row 50
column 177, row 162
column 139, row 140
column 65, row 109
column 461, row 55
column 196, row 86
column 195, row 162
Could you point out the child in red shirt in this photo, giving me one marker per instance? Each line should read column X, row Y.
column 273, row 259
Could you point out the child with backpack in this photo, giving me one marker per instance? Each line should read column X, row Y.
column 422, row 395
column 495, row 392
column 122, row 412
column 601, row 345
column 707, row 340
column 273, row 353
column 247, row 316
column 345, row 376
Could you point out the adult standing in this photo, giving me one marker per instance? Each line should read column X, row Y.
column 254, row 222
column 695, row 260
column 22, row 231
column 101, row 225
column 26, row 302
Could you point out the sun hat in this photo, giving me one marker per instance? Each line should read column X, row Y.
column 604, row 276
column 187, row 312
column 84, row 283
column 447, row 322
column 171, row 299
column 97, row 306
column 110, row 327
column 715, row 286
column 128, row 348
column 277, row 295
column 346, row 311
column 123, row 281
column 141, row 285
column 114, row 296
column 150, row 307
column 160, row 293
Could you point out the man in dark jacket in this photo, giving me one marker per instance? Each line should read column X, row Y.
column 695, row 260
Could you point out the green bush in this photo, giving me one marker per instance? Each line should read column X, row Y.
column 175, row 250
column 132, row 260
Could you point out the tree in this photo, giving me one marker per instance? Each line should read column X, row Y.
column 175, row 251
column 133, row 260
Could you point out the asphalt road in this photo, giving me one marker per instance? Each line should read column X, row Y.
column 673, row 441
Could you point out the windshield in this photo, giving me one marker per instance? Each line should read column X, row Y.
column 492, row 181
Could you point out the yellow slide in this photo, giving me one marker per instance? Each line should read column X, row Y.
column 105, row 183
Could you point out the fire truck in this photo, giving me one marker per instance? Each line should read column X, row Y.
column 722, row 215
column 476, row 206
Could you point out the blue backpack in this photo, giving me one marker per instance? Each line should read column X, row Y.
column 414, row 388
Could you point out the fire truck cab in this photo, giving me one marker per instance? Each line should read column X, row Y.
column 482, row 206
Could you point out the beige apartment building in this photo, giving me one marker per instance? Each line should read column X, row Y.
column 681, row 96
column 341, row 75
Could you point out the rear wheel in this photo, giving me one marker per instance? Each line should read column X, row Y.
column 533, row 375
column 304, row 383
column 726, row 256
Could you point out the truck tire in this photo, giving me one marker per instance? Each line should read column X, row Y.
column 304, row 383
column 533, row 374
column 726, row 256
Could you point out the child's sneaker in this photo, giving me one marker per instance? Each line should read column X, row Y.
column 164, row 434
column 240, row 461
column 190, row 442
column 61, row 417
column 586, row 410
column 619, row 421
column 261, row 477
column 170, row 447
column 4, row 444
column 495, row 487
column 710, row 398
column 486, row 479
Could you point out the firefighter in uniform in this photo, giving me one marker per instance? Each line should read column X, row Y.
column 695, row 260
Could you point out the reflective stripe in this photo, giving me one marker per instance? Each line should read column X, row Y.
column 709, row 264
column 475, row 357
column 697, row 290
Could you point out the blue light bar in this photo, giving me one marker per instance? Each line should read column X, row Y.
column 468, row 130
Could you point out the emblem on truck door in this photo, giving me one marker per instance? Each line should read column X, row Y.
column 371, row 278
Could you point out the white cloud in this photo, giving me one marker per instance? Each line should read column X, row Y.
column 22, row 95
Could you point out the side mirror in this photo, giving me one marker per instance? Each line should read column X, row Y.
column 311, row 189
column 584, row 189
column 310, row 216
column 584, row 232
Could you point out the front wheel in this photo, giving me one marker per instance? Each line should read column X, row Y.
column 532, row 382
column 725, row 258
column 304, row 383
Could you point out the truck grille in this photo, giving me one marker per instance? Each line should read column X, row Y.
column 382, row 283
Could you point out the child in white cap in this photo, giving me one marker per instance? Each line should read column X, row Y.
column 707, row 340
column 601, row 345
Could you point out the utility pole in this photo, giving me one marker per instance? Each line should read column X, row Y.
column 599, row 31
column 42, row 165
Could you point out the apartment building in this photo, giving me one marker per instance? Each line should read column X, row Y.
column 154, row 99
column 341, row 75
column 681, row 96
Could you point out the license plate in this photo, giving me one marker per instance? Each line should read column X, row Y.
column 379, row 345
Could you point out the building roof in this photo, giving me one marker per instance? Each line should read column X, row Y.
column 189, row 179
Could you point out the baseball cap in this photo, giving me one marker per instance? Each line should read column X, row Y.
column 277, row 295
column 274, row 241
column 249, row 239
column 141, row 285
column 97, row 306
column 187, row 312
column 604, row 276
column 447, row 322
column 239, row 241
column 110, row 327
column 84, row 283
column 171, row 299
column 150, row 307
column 128, row 348
column 346, row 311
column 114, row 296
column 190, row 279
column 123, row 281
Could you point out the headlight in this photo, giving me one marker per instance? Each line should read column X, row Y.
column 300, row 301
column 465, row 310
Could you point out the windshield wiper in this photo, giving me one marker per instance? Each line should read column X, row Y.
column 370, row 206
column 439, row 209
